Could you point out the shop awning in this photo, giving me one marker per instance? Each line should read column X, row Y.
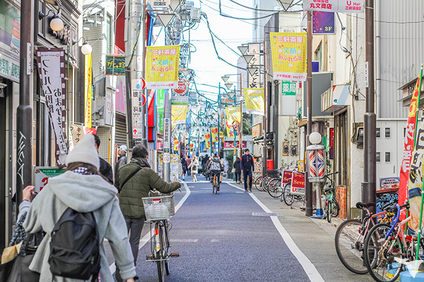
column 335, row 98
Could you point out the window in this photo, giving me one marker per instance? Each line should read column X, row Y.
column 387, row 157
column 387, row 132
column 377, row 132
column 377, row 157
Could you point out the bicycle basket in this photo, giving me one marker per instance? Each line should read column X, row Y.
column 158, row 208
column 274, row 173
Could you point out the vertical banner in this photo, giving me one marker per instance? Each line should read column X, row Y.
column 51, row 68
column 233, row 115
column 176, row 145
column 214, row 131
column 254, row 99
column 289, row 55
column 230, row 129
column 162, row 67
column 88, row 90
column 208, row 140
column 179, row 113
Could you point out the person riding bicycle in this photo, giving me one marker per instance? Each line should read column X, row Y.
column 215, row 167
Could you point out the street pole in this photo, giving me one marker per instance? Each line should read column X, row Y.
column 167, row 137
column 241, row 119
column 369, row 185
column 264, row 126
column 24, row 111
column 145, row 93
column 309, row 209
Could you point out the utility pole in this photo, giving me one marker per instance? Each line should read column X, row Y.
column 167, row 138
column 308, row 185
column 145, row 113
column 241, row 119
column 24, row 111
column 369, row 185
column 264, row 126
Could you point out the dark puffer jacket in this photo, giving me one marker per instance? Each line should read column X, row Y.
column 139, row 186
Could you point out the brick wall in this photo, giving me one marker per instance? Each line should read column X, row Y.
column 341, row 199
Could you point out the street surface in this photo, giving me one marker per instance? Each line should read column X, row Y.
column 238, row 236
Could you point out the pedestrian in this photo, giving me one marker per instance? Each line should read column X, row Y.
column 194, row 166
column 237, row 169
column 188, row 161
column 105, row 168
column 216, row 168
column 184, row 166
column 83, row 189
column 122, row 157
column 134, row 181
column 206, row 166
column 247, row 167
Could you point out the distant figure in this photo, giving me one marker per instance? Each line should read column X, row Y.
column 122, row 157
column 188, row 160
column 105, row 168
column 247, row 166
column 237, row 167
column 194, row 166
column 184, row 165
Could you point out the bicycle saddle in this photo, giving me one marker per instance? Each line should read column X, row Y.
column 361, row 205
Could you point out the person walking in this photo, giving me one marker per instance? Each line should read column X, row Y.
column 134, row 181
column 122, row 157
column 247, row 167
column 188, row 160
column 194, row 166
column 184, row 165
column 105, row 168
column 237, row 168
column 83, row 189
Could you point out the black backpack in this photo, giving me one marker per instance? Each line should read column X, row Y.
column 74, row 246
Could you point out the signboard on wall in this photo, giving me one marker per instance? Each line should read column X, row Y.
column 115, row 65
column 323, row 22
column 256, row 130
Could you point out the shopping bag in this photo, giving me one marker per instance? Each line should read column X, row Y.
column 20, row 271
column 10, row 253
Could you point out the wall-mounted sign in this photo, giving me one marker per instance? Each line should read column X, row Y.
column 256, row 130
column 323, row 22
column 115, row 65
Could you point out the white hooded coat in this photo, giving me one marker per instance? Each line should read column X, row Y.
column 83, row 193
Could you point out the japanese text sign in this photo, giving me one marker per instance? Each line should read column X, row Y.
column 289, row 55
column 179, row 113
column 115, row 65
column 233, row 115
column 254, row 98
column 341, row 6
column 287, row 176
column 162, row 67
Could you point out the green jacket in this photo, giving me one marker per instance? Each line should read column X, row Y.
column 139, row 186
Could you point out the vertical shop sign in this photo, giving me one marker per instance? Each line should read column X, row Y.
column 51, row 68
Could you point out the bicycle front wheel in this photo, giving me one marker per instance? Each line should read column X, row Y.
column 380, row 254
column 274, row 189
column 329, row 211
column 350, row 246
column 259, row 183
column 288, row 197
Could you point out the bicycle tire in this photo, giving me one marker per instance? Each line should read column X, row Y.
column 162, row 256
column 329, row 212
column 376, row 262
column 288, row 198
column 275, row 189
column 258, row 183
column 349, row 243
column 335, row 209
column 213, row 184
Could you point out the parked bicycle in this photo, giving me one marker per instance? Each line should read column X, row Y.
column 332, row 207
column 264, row 183
column 350, row 237
column 158, row 211
column 291, row 194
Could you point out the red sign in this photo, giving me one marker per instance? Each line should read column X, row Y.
column 287, row 176
column 144, row 84
column 182, row 88
column 298, row 183
column 230, row 144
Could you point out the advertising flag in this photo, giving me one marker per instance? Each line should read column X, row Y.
column 233, row 115
column 176, row 145
column 162, row 67
column 214, row 131
column 289, row 55
column 88, row 89
column 179, row 113
column 254, row 98
column 230, row 129
column 208, row 140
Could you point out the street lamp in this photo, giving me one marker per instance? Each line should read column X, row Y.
column 56, row 23
column 86, row 48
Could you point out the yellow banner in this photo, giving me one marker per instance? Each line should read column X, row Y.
column 88, row 90
column 176, row 145
column 178, row 114
column 162, row 67
column 214, row 131
column 233, row 114
column 230, row 129
column 207, row 140
column 289, row 55
column 254, row 98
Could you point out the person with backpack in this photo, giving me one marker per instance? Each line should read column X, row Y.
column 194, row 167
column 79, row 203
column 134, row 181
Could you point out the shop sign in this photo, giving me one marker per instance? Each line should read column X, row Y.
column 9, row 69
column 230, row 144
column 340, row 6
column 138, row 100
column 256, row 130
column 298, row 184
column 287, row 176
column 323, row 22
column 115, row 65
column 182, row 88
column 288, row 88
column 389, row 184
column 63, row 35
column 43, row 174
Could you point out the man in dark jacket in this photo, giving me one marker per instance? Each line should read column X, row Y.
column 247, row 167
column 237, row 169
column 136, row 187
column 105, row 168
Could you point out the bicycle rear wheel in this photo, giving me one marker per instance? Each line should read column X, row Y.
column 350, row 246
column 275, row 190
column 288, row 197
column 160, row 255
column 379, row 260
column 329, row 211
column 335, row 209
column 258, row 183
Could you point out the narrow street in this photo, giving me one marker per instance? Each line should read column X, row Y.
column 238, row 236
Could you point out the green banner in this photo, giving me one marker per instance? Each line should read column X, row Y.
column 161, row 98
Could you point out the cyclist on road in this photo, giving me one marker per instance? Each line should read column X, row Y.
column 215, row 167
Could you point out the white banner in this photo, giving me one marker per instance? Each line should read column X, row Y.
column 51, row 67
column 341, row 6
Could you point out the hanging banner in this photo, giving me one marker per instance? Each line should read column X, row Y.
column 88, row 90
column 214, row 131
column 208, row 140
column 176, row 145
column 408, row 141
column 162, row 67
column 233, row 115
column 51, row 69
column 340, row 6
column 230, row 129
column 254, row 98
column 179, row 113
column 289, row 55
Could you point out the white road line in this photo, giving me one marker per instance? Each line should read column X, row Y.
column 146, row 237
column 307, row 265
column 184, row 240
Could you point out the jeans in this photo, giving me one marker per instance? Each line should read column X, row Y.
column 247, row 173
column 238, row 176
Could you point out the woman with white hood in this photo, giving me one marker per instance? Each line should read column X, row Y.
column 83, row 189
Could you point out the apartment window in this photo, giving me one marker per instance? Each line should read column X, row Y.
column 377, row 132
column 387, row 132
column 377, row 157
column 387, row 157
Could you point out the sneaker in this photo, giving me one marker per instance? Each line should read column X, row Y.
column 245, row 191
column 250, row 191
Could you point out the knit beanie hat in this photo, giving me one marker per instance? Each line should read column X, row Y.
column 85, row 152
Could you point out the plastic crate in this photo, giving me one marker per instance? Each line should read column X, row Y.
column 159, row 207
